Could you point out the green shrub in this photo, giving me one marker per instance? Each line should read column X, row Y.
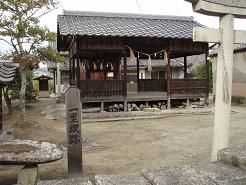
column 200, row 72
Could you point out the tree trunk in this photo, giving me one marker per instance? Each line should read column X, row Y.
column 22, row 95
column 7, row 99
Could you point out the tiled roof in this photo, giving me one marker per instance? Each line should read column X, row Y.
column 175, row 62
column 155, row 63
column 7, row 72
column 236, row 48
column 125, row 25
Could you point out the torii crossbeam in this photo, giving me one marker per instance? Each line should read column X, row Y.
column 226, row 36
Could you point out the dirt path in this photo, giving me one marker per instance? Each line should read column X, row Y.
column 125, row 146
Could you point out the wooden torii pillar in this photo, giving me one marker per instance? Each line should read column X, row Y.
column 227, row 10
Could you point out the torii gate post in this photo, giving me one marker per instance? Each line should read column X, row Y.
column 227, row 10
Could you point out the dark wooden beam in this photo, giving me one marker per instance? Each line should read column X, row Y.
column 185, row 67
column 101, row 43
column 168, row 83
column 137, row 72
column 70, row 71
column 73, row 48
column 143, row 44
column 78, row 62
column 187, row 46
column 73, row 72
column 78, row 70
column 125, row 80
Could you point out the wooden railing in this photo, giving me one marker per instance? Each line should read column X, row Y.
column 99, row 89
column 104, row 89
column 188, row 87
column 148, row 85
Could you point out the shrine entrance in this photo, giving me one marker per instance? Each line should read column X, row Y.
column 43, row 82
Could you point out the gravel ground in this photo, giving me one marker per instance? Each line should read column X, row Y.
column 126, row 145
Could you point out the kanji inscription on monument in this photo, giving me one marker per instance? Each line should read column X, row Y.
column 74, row 139
column 226, row 36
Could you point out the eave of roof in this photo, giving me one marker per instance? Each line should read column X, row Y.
column 46, row 76
column 7, row 72
column 125, row 25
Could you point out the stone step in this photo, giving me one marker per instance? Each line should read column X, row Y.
column 205, row 174
column 235, row 156
column 120, row 180
column 70, row 181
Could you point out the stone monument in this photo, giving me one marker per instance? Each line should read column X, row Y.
column 225, row 36
column 74, row 138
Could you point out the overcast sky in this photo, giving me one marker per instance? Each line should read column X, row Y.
column 161, row 7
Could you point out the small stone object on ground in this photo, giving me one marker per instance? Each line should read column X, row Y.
column 116, row 107
column 154, row 106
column 163, row 107
column 141, row 106
column 110, row 108
column 136, row 109
column 121, row 107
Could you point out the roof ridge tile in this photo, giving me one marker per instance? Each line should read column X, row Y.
column 125, row 15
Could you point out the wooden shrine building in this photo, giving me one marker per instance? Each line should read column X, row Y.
column 100, row 44
column 7, row 74
column 43, row 80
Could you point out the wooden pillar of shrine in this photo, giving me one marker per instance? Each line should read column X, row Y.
column 168, row 83
column 138, row 72
column 185, row 67
column 125, row 80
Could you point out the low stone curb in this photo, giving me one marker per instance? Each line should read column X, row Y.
column 216, row 173
column 116, row 116
column 57, row 111
column 120, row 180
column 72, row 181
column 235, row 156
column 204, row 174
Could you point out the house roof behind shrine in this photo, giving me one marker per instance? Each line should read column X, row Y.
column 236, row 48
column 125, row 25
column 7, row 72
column 192, row 61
